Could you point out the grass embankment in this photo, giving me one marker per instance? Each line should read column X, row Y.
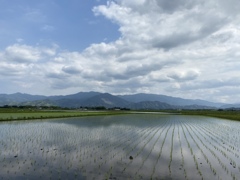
column 18, row 114
column 224, row 114
column 13, row 114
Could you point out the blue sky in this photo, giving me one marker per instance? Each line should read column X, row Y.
column 181, row 48
column 70, row 24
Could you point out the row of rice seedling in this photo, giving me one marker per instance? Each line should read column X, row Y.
column 152, row 151
column 214, row 150
column 193, row 150
column 182, row 156
column 129, row 146
column 219, row 136
column 171, row 152
column 106, row 152
column 207, row 153
column 219, row 130
column 154, row 174
column 136, row 152
column 221, row 155
column 115, row 151
column 130, row 149
column 221, row 146
column 178, row 169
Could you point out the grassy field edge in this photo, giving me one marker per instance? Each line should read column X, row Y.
column 31, row 115
column 223, row 114
column 16, row 114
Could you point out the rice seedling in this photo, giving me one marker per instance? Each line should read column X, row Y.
column 127, row 146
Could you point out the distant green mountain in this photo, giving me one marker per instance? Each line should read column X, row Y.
column 229, row 106
column 44, row 102
column 16, row 98
column 153, row 105
column 107, row 100
column 95, row 99
column 168, row 99
column 77, row 96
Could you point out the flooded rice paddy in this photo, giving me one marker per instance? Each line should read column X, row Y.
column 121, row 147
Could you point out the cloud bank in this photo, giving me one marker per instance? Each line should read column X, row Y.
column 181, row 48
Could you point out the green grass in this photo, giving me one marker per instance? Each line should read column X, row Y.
column 18, row 114
column 9, row 114
column 232, row 115
column 224, row 114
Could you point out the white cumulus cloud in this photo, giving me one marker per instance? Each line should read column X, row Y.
column 181, row 48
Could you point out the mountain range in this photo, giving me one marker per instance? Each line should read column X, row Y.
column 96, row 99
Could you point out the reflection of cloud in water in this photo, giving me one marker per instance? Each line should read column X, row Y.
column 100, row 147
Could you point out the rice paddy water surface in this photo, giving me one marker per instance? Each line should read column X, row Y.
column 146, row 146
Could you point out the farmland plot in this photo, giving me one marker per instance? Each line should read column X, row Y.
column 121, row 147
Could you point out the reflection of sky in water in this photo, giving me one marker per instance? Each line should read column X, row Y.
column 100, row 147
